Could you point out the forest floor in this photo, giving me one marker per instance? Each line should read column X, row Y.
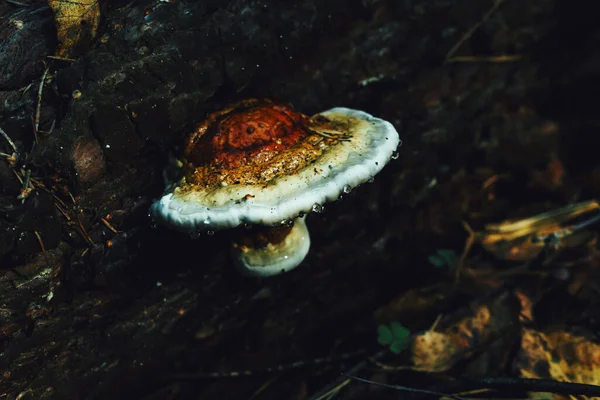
column 408, row 281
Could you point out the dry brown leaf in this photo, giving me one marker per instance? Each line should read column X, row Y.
column 521, row 240
column 438, row 351
column 76, row 23
column 559, row 356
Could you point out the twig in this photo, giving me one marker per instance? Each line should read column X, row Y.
column 108, row 225
column 37, row 235
column 84, row 233
column 61, row 58
column 62, row 208
column 72, row 198
column 263, row 387
column 18, row 176
column 10, row 142
column 280, row 368
column 16, row 3
column 63, row 212
column 335, row 386
column 332, row 391
column 49, row 131
column 490, row 59
column 436, row 322
column 39, row 100
column 406, row 389
column 10, row 158
column 27, row 187
column 40, row 185
column 35, row 136
column 468, row 244
column 471, row 31
column 525, row 384
column 27, row 180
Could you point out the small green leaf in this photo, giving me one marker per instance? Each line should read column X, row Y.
column 436, row 261
column 449, row 257
column 444, row 258
column 399, row 331
column 385, row 335
column 398, row 346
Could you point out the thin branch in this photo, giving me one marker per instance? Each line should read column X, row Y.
column 16, row 3
column 489, row 59
column 9, row 140
column 39, row 238
column 473, row 29
column 108, row 225
column 406, row 389
column 39, row 100
column 524, row 384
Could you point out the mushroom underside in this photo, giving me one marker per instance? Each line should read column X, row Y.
column 267, row 251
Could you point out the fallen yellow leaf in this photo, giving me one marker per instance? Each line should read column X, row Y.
column 76, row 24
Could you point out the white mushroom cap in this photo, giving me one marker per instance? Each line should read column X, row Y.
column 344, row 161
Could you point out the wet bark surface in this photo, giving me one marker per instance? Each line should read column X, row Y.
column 115, row 307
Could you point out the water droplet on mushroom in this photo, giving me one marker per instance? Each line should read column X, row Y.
column 318, row 208
column 301, row 214
column 395, row 155
column 371, row 179
column 210, row 233
column 206, row 221
column 347, row 189
column 290, row 222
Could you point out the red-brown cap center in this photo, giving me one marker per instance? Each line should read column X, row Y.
column 245, row 136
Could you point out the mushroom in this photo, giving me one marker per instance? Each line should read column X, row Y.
column 262, row 166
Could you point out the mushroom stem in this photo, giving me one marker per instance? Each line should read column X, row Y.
column 266, row 251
